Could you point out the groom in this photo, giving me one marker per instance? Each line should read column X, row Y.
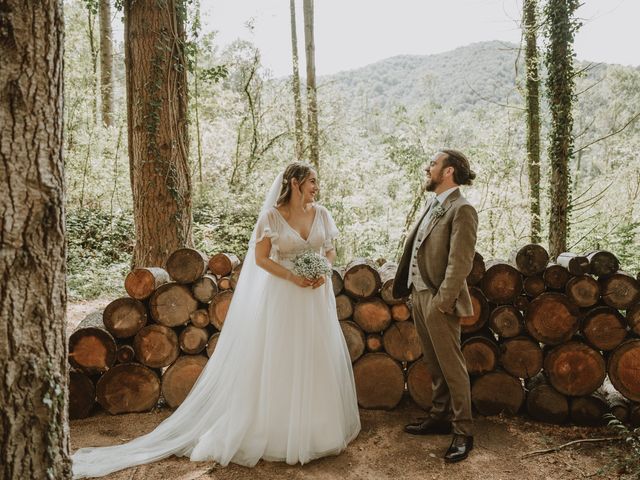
column 437, row 257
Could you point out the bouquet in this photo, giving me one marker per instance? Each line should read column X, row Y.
column 311, row 265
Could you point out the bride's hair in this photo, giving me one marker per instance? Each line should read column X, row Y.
column 298, row 170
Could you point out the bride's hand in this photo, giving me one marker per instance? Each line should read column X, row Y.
column 318, row 282
column 300, row 281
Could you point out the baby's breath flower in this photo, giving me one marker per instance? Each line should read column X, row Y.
column 311, row 265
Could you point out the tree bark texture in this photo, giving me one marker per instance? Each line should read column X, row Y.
column 530, row 27
column 34, row 437
column 106, row 62
column 157, row 120
column 295, row 84
column 561, row 26
column 312, row 100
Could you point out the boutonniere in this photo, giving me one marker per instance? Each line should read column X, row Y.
column 437, row 212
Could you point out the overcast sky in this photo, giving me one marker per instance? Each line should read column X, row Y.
column 353, row 33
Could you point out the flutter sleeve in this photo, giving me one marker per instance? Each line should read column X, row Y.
column 330, row 230
column 267, row 226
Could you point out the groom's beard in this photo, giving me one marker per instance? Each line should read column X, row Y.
column 432, row 184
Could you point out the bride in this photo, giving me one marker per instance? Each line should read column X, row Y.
column 279, row 385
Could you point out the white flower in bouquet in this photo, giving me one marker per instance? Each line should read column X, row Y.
column 311, row 265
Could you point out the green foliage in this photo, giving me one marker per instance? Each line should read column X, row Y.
column 214, row 74
column 98, row 252
column 627, row 464
column 223, row 228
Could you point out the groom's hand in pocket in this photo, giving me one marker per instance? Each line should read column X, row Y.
column 318, row 282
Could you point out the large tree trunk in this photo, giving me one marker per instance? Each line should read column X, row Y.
column 295, row 83
column 530, row 27
column 561, row 26
column 106, row 62
column 34, row 438
column 312, row 101
column 157, row 118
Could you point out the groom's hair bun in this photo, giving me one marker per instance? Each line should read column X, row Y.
column 462, row 173
column 298, row 170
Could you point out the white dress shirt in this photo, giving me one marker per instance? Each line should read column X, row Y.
column 415, row 278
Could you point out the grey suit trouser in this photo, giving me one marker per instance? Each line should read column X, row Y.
column 440, row 337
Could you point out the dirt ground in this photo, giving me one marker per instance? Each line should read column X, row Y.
column 381, row 451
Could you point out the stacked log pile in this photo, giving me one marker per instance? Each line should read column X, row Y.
column 555, row 339
column 155, row 342
column 559, row 340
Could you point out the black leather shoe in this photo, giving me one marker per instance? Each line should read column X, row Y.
column 430, row 426
column 460, row 447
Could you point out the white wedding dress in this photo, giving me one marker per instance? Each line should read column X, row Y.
column 279, row 385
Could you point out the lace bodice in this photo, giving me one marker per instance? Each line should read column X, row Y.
column 286, row 242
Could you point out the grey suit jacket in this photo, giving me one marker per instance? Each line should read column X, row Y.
column 445, row 257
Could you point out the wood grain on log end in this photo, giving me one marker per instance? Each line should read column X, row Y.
column 179, row 378
column 186, row 265
column 205, row 288
column 222, row 264
column 373, row 315
column 219, row 307
column 379, row 381
column 480, row 316
column 128, row 388
column 624, row 369
column 354, row 336
column 522, row 357
column 141, row 282
column 156, row 346
column 497, row 392
column 575, row 369
column 124, row 317
column 401, row 342
column 171, row 304
column 531, row 259
column 501, row 283
column 551, row 318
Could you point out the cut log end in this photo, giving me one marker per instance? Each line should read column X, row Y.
column 186, row 265
column 575, row 369
column 124, row 317
column 128, row 388
column 140, row 283
column 354, row 336
column 497, row 392
column 401, row 342
column 222, row 264
column 522, row 357
column 379, row 381
column 361, row 279
column 219, row 307
column 180, row 377
column 372, row 315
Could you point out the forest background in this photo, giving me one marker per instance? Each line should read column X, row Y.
column 379, row 125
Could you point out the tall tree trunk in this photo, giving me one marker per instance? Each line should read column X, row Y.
column 312, row 102
column 34, row 434
column 157, row 119
column 296, row 85
column 530, row 27
column 93, row 49
column 561, row 26
column 106, row 62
